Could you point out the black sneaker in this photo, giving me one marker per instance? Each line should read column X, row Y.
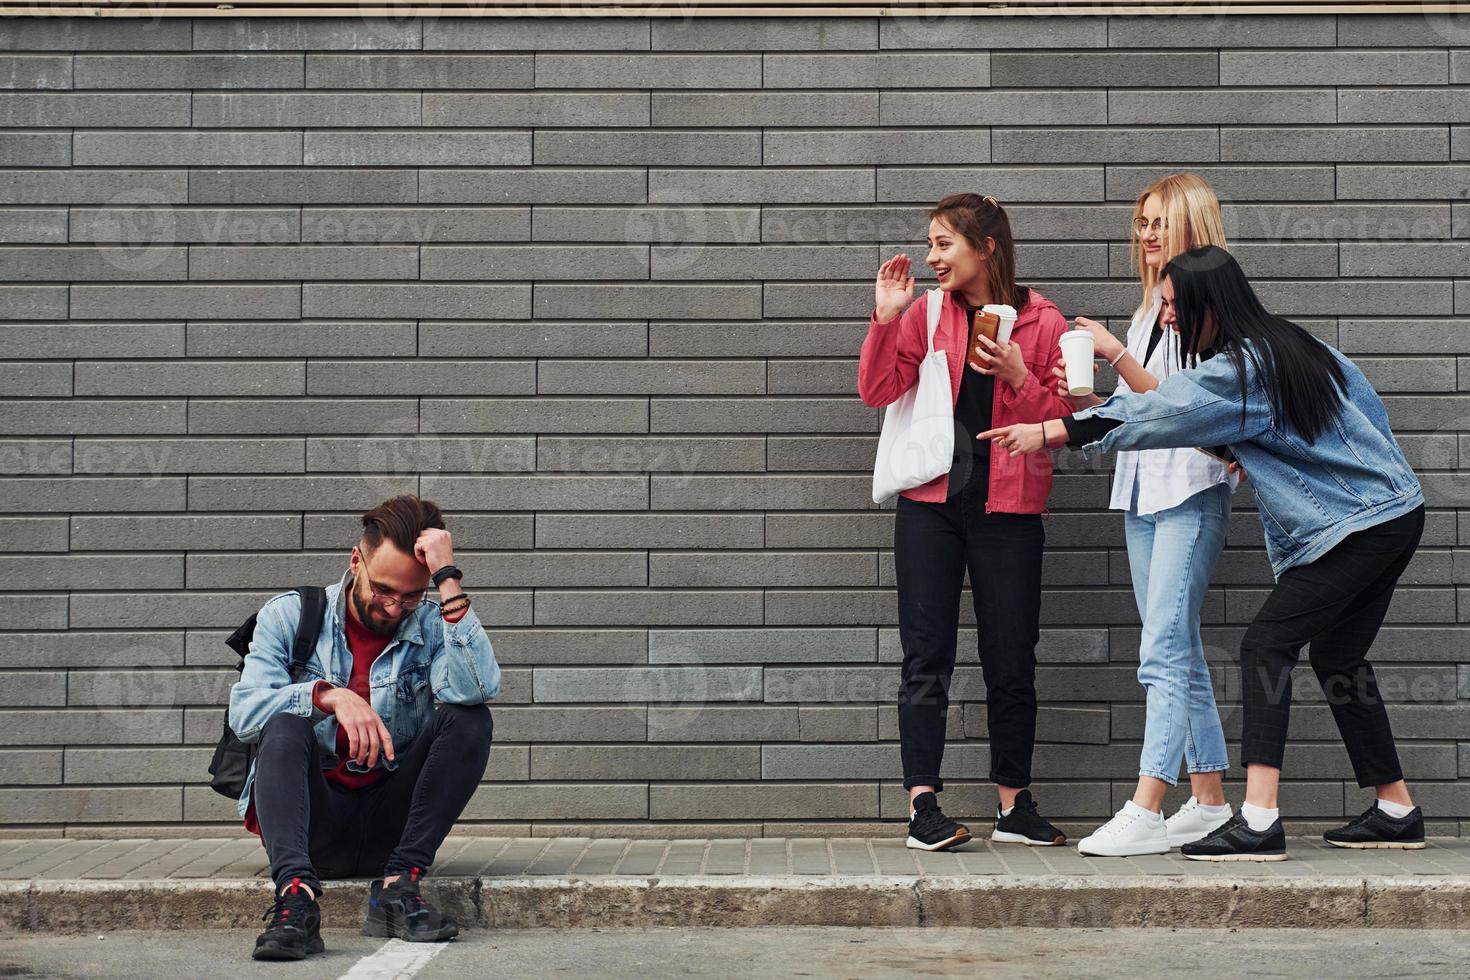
column 399, row 910
column 295, row 926
column 1023, row 825
column 1235, row 841
column 931, row 830
column 1374, row 828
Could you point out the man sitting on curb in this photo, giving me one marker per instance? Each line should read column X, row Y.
column 358, row 770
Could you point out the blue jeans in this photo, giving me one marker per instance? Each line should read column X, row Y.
column 1171, row 554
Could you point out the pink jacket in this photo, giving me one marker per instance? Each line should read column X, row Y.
column 889, row 366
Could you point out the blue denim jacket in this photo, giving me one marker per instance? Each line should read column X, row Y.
column 1310, row 495
column 426, row 659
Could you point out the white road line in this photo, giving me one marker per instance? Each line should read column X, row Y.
column 394, row 960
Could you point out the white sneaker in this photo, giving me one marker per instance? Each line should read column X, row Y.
column 1132, row 831
column 1190, row 824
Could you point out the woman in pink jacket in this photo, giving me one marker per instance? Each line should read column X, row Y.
column 984, row 515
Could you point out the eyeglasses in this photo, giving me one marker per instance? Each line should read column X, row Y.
column 1142, row 227
column 407, row 603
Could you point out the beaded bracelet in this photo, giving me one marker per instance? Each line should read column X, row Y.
column 445, row 609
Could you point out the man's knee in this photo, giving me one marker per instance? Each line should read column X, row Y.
column 468, row 721
column 287, row 728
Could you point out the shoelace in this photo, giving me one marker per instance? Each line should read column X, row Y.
column 408, row 888
column 928, row 819
column 1018, row 808
column 1367, row 814
column 279, row 914
column 1119, row 823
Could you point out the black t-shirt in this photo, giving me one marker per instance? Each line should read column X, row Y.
column 1153, row 341
column 973, row 411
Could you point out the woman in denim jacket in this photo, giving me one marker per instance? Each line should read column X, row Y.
column 1176, row 510
column 1342, row 513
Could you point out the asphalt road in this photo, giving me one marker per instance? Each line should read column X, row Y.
column 763, row 953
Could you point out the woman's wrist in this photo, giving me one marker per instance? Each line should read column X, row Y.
column 1113, row 361
column 1053, row 433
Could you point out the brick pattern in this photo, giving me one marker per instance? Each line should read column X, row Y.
column 598, row 286
column 206, row 861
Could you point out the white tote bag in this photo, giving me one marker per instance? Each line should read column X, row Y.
column 917, row 443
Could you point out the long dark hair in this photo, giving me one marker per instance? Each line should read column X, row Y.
column 1302, row 379
column 975, row 218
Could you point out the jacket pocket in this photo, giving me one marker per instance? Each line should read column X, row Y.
column 1276, row 534
column 412, row 680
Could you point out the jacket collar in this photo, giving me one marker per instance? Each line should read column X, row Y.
column 410, row 630
column 1025, row 317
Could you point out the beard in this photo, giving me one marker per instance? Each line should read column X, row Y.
column 374, row 619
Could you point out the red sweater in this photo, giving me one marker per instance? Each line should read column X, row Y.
column 365, row 645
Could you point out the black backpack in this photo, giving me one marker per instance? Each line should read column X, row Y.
column 232, row 757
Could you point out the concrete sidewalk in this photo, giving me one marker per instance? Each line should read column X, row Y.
column 100, row 885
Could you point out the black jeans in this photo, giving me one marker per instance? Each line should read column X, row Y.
column 933, row 544
column 312, row 827
column 1336, row 603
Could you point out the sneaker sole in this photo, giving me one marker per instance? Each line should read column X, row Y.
column 1006, row 837
column 1155, row 849
column 281, row 953
column 378, row 930
column 943, row 845
column 1236, row 857
column 1374, row 845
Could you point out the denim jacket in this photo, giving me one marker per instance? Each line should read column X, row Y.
column 427, row 659
column 1310, row 495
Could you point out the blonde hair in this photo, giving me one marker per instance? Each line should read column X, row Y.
column 1190, row 205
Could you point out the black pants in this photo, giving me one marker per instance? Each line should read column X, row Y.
column 1336, row 603
column 312, row 827
column 933, row 545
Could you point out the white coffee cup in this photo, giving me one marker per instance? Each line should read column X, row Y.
column 1007, row 317
column 1077, row 350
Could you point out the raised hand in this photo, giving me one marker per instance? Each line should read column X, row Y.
column 894, row 289
column 434, row 548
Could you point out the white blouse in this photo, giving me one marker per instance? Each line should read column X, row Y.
column 1165, row 477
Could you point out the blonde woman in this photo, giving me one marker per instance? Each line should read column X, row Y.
column 1176, row 508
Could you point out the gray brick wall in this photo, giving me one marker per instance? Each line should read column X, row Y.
column 598, row 286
